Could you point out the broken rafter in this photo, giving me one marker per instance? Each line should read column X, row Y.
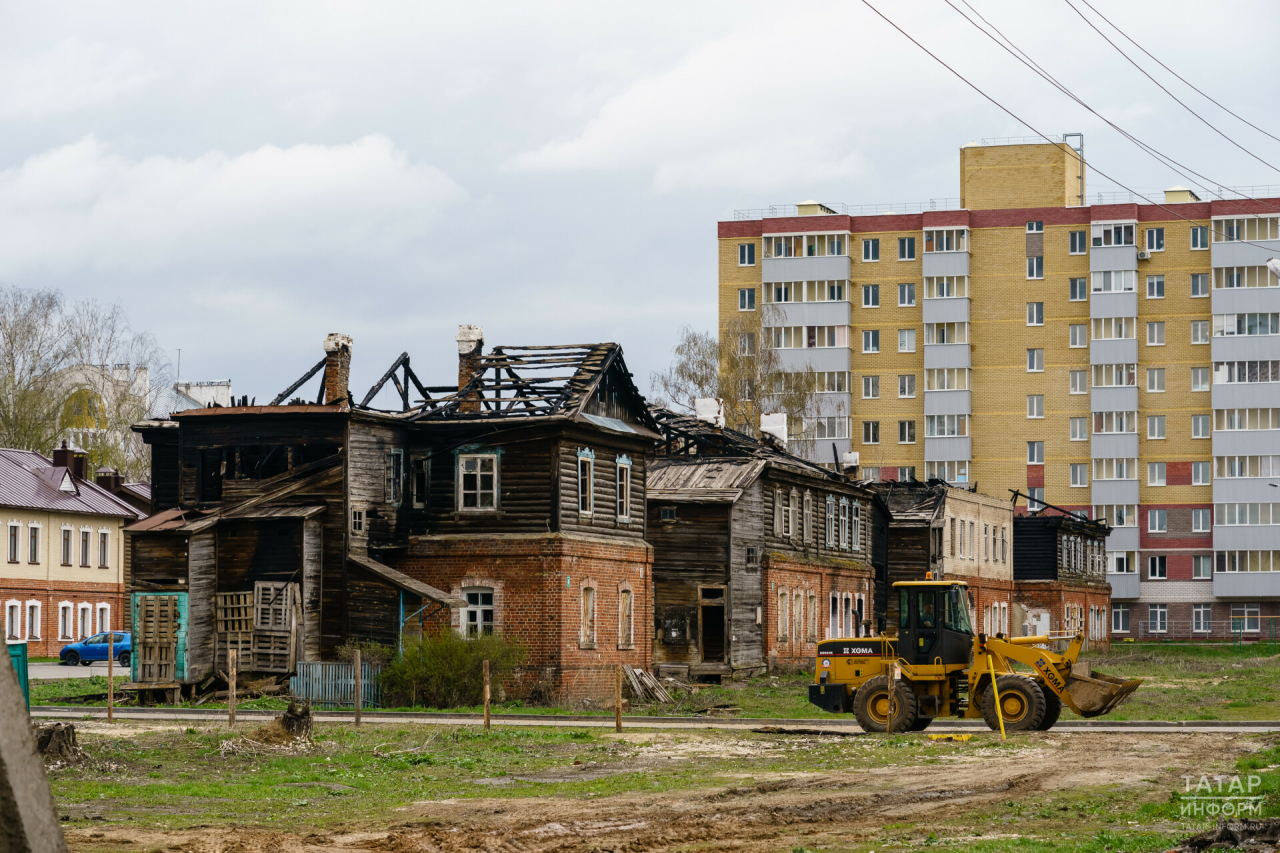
column 295, row 386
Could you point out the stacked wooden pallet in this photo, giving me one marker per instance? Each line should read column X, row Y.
column 644, row 687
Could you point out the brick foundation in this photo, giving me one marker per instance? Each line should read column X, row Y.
column 538, row 582
column 1069, row 606
column 793, row 641
column 50, row 594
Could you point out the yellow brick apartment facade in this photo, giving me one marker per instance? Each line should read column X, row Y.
column 1115, row 359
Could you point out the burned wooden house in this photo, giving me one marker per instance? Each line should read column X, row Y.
column 758, row 554
column 510, row 502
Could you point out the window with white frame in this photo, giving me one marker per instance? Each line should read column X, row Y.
column 104, row 549
column 870, row 387
column 1078, row 290
column 1119, row 618
column 870, row 432
column 1155, row 474
column 808, row 516
column 1199, row 379
column 104, row 616
column 1200, row 520
column 1079, row 429
column 1114, row 281
column 1155, row 426
column 906, row 340
column 1079, row 474
column 1035, row 452
column 586, row 481
column 1155, row 380
column 1199, row 426
column 844, row 524
column 1158, row 618
column 779, row 512
column 1079, row 381
column 1035, row 405
column 793, row 512
column 1199, row 331
column 871, row 250
column 906, row 385
column 1201, row 618
column 66, row 620
column 85, row 533
column 1079, row 243
column 946, row 333
column 1200, row 285
column 33, row 620
column 1155, row 239
column 906, row 432
column 587, row 623
column 624, row 488
column 906, row 248
column 1199, row 237
column 1155, row 287
column 477, row 482
column 1157, row 521
column 952, row 471
column 1035, row 267
column 945, row 426
column 870, row 340
column 746, row 299
column 1035, row 498
column 1035, row 313
column 1036, row 227
column 1035, row 361
column 1155, row 334
column 84, row 621
column 746, row 254
column 13, row 621
column 1079, row 335
column 906, row 294
column 1200, row 473
column 870, row 296
column 1112, row 233
column 1246, row 617
column 1201, row 567
column 33, row 543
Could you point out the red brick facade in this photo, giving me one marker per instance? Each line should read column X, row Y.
column 791, row 636
column 1072, row 607
column 539, row 584
column 50, row 595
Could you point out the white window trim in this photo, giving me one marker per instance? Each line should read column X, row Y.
column 624, row 498
column 26, row 611
column 83, row 607
column 39, row 528
column 588, row 455
column 99, row 609
column 497, row 483
column 10, row 607
column 70, row 609
column 98, row 543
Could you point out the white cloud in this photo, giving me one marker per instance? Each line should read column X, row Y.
column 67, row 77
column 83, row 206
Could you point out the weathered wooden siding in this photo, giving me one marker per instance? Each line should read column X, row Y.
column 312, row 566
column 526, row 473
column 746, row 585
column 908, row 561
column 373, row 451
column 252, row 550
column 604, row 518
column 202, row 564
column 157, row 561
column 164, row 471
column 688, row 553
column 373, row 606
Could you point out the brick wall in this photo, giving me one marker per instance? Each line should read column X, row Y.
column 808, row 588
column 538, row 583
column 50, row 594
column 1070, row 606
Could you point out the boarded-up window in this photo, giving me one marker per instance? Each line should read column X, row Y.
column 587, row 631
column 783, row 613
column 625, row 631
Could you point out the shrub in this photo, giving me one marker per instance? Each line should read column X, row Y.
column 445, row 670
column 371, row 652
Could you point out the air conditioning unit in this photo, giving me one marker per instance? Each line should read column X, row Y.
column 1144, row 256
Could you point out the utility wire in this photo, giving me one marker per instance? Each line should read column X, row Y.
column 1023, row 57
column 1130, row 60
column 1176, row 74
column 1031, row 127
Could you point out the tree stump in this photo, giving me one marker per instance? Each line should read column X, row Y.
column 57, row 742
column 296, row 720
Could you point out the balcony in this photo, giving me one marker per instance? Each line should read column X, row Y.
column 1243, row 300
column 1121, row 398
column 1249, row 585
column 1116, row 351
column 953, row 310
column 813, row 358
column 1116, row 445
column 1115, row 492
column 1113, row 304
column 1244, row 347
column 948, row 448
column 806, row 314
column 1243, row 254
column 1124, row 539
column 1105, row 258
column 946, row 355
column 944, row 263
column 1245, row 395
column 819, row 268
column 1124, row 586
column 1245, row 442
column 947, row 403
column 1246, row 537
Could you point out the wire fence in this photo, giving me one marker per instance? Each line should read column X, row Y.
column 1239, row 631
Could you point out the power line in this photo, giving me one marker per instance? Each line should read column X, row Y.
column 1130, row 60
column 1027, row 124
column 1179, row 76
column 1025, row 58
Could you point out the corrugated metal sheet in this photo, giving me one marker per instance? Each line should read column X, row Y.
column 333, row 685
column 703, row 473
column 30, row 481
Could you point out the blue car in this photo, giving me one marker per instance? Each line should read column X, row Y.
column 94, row 648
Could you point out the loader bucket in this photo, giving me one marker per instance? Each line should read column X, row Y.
column 1099, row 693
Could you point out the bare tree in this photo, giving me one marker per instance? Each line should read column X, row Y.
column 33, row 352
column 746, row 373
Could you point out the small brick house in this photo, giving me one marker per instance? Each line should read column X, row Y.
column 1059, row 573
column 758, row 554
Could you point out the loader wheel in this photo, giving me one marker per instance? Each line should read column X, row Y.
column 1021, row 704
column 871, row 706
column 1052, row 710
column 920, row 724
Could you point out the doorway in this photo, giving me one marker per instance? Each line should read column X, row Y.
column 711, row 622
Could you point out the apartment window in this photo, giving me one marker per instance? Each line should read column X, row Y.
column 13, row 542
column 1155, row 286
column 1120, row 618
column 1200, row 426
column 1079, row 290
column 870, row 432
column 1079, row 336
column 1114, row 422
column 1248, row 324
column 747, row 299
column 1199, row 237
column 906, row 385
column 1155, row 379
column 1246, row 617
column 1201, row 618
column 1112, row 234
column 871, row 340
column 1155, row 239
column 871, row 249
column 104, row 549
column 1199, row 331
column 952, row 471
column 1200, row 473
column 33, row 543
column 1155, row 426
column 587, row 624
column 1117, row 281
column 906, row 432
column 477, row 482
column 906, row 340
column 1157, row 521
column 1036, row 227
column 1199, row 285
column 586, row 481
column 1114, row 328
column 1199, row 379
column 1035, row 405
column 1079, row 382
column 1035, row 452
column 624, row 488
column 1035, row 361
column 906, row 473
column 1158, row 618
column 1200, row 521
column 1155, row 473
column 946, row 240
column 906, row 248
column 1156, row 568
column 1035, row 266
column 1155, row 334
column 1079, row 243
column 84, row 548
column 1079, row 474
column 870, row 387
column 746, row 254
column 357, row 521
column 1112, row 468
column 944, row 426
column 870, row 296
column 1035, row 498
column 946, row 333
column 747, row 343
column 906, row 294
column 1079, row 429
column 1035, row 313
column 946, row 379
column 1201, row 567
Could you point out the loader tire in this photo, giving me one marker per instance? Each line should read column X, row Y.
column 1052, row 710
column 1021, row 703
column 920, row 724
column 871, row 706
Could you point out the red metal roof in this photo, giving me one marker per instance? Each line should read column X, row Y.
column 31, row 481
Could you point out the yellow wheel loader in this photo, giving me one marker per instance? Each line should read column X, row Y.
column 937, row 666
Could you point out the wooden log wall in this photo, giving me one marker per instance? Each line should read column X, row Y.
column 373, row 606
column 750, row 515
column 690, row 552
column 200, row 605
column 157, row 561
column 604, row 518
column 312, row 567
column 253, row 549
column 374, row 450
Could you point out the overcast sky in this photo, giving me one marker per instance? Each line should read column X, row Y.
column 245, row 178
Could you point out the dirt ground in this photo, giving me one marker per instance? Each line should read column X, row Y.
column 960, row 791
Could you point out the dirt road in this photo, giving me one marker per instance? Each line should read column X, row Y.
column 967, row 791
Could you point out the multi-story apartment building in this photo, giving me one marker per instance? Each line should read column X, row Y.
column 1119, row 359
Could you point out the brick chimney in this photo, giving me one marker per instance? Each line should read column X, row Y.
column 73, row 459
column 109, row 479
column 337, row 368
column 62, row 456
column 470, row 346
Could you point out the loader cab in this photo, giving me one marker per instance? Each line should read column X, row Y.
column 933, row 623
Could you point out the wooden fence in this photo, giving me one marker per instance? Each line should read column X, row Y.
column 332, row 685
